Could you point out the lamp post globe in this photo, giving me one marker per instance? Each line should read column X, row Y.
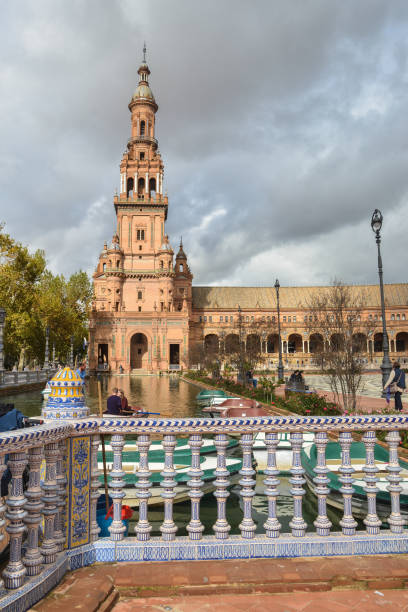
column 386, row 366
column 280, row 363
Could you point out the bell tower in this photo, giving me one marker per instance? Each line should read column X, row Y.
column 141, row 306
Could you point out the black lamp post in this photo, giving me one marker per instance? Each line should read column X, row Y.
column 71, row 353
column 46, row 356
column 376, row 224
column 241, row 359
column 280, row 364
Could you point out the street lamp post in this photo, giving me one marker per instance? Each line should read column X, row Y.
column 2, row 319
column 241, row 364
column 46, row 356
column 280, row 364
column 71, row 353
column 376, row 224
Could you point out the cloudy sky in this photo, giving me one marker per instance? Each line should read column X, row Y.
column 282, row 125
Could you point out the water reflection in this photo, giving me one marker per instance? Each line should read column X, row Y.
column 166, row 394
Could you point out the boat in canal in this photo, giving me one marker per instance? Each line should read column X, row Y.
column 359, row 498
column 221, row 409
column 182, row 466
column 209, row 397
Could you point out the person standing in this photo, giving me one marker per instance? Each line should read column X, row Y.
column 81, row 371
column 396, row 383
column 113, row 403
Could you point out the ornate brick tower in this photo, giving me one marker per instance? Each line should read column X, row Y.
column 141, row 308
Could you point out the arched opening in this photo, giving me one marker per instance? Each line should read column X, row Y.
column 337, row 342
column 138, row 351
column 359, row 343
column 253, row 344
column 181, row 268
column 272, row 344
column 140, row 187
column 129, row 187
column 232, row 344
column 142, row 127
column 152, row 188
column 401, row 342
column 211, row 344
column 378, row 342
column 295, row 343
column 316, row 343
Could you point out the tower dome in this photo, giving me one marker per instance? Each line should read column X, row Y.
column 143, row 92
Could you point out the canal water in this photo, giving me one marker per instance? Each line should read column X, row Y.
column 173, row 397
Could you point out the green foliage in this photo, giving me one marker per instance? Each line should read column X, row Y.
column 309, row 404
column 34, row 298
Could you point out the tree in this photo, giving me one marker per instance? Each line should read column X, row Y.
column 34, row 298
column 338, row 335
column 241, row 345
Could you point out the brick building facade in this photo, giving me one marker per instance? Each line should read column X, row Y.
column 147, row 316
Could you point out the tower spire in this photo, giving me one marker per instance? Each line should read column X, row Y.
column 144, row 52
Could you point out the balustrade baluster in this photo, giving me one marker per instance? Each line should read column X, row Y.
column 271, row 482
column 59, row 526
column 117, row 528
column 395, row 519
column 95, row 484
column 143, row 527
column 15, row 571
column 3, row 468
column 50, row 499
column 221, row 526
column 168, row 528
column 372, row 522
column 322, row 523
column 348, row 524
column 247, row 482
column 33, row 558
column 195, row 527
column 297, row 524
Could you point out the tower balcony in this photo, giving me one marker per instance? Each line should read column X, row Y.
column 145, row 139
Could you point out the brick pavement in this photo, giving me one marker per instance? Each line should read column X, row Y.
column 333, row 583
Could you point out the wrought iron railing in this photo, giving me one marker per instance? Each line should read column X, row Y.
column 51, row 518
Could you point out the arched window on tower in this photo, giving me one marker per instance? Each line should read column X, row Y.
column 152, row 187
column 181, row 267
column 142, row 128
column 140, row 188
column 129, row 190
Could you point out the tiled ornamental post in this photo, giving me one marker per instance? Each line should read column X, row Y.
column 73, row 469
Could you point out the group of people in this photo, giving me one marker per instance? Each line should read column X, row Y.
column 117, row 403
column 296, row 378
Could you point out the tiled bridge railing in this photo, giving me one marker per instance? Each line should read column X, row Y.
column 51, row 516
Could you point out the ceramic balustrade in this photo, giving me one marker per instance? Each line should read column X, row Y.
column 58, row 502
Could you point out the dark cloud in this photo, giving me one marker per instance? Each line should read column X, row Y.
column 282, row 126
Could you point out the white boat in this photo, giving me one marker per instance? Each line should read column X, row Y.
column 182, row 467
column 284, row 455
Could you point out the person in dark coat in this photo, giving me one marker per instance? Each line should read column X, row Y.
column 113, row 403
column 397, row 376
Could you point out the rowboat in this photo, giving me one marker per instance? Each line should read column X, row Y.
column 359, row 498
column 182, row 466
column 209, row 397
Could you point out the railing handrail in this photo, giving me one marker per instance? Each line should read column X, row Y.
column 23, row 439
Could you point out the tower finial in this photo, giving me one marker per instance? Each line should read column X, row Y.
column 181, row 242
column 144, row 52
